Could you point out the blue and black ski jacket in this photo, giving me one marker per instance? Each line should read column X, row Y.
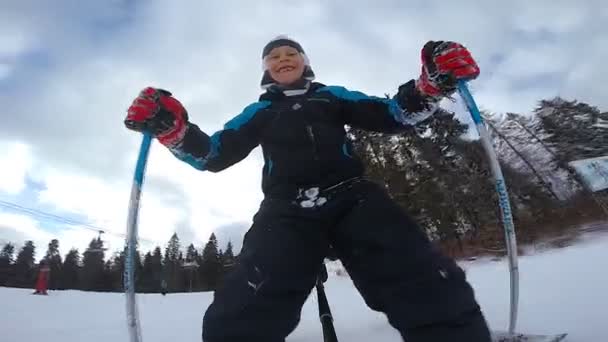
column 303, row 137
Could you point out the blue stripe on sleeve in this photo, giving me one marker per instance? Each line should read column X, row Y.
column 215, row 140
column 247, row 114
column 350, row 95
column 399, row 115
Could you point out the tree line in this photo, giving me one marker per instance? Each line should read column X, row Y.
column 441, row 176
column 156, row 271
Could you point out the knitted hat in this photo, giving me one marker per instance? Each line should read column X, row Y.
column 283, row 40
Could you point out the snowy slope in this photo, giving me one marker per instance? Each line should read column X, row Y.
column 562, row 290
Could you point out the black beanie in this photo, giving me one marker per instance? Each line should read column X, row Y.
column 281, row 41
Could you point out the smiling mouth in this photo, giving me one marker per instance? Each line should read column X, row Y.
column 285, row 69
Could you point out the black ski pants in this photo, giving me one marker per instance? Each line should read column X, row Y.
column 423, row 293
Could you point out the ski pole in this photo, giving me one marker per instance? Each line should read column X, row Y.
column 131, row 241
column 503, row 200
column 329, row 332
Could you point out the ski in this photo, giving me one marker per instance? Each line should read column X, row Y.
column 503, row 336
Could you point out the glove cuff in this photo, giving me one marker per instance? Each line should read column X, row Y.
column 411, row 99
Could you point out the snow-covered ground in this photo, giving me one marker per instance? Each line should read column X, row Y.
column 562, row 290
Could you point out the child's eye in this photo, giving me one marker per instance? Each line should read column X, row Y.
column 291, row 54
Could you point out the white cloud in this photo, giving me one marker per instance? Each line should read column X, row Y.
column 16, row 228
column 15, row 161
column 71, row 71
column 106, row 204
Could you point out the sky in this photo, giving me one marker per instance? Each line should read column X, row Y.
column 70, row 69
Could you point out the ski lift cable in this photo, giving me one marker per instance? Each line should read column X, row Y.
column 45, row 215
column 61, row 219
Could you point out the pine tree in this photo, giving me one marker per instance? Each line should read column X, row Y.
column 191, row 253
column 575, row 130
column 116, row 271
column 24, row 266
column 146, row 280
column 220, row 256
column 6, row 263
column 172, row 264
column 53, row 259
column 71, row 270
column 152, row 272
column 190, row 276
column 190, row 269
column 93, row 266
column 416, row 167
column 228, row 258
column 157, row 268
column 211, row 266
column 110, row 269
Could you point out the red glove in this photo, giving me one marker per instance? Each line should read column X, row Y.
column 156, row 112
column 443, row 64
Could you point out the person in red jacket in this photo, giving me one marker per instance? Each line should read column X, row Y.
column 317, row 199
column 43, row 278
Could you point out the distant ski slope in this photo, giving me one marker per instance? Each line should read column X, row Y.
column 562, row 290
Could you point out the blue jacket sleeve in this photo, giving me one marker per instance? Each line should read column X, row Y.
column 225, row 147
column 388, row 115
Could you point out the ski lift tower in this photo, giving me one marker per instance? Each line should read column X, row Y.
column 191, row 266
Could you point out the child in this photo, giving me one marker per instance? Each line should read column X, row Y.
column 316, row 198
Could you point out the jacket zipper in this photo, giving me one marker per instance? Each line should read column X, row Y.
column 311, row 135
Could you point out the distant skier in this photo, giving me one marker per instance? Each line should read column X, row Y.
column 315, row 196
column 43, row 278
column 163, row 287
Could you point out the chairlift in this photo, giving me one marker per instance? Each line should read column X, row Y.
column 99, row 250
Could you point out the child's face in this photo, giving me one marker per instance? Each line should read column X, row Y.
column 285, row 64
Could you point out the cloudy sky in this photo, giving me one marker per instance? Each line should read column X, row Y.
column 69, row 70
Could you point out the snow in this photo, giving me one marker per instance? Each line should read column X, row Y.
column 562, row 290
column 601, row 123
